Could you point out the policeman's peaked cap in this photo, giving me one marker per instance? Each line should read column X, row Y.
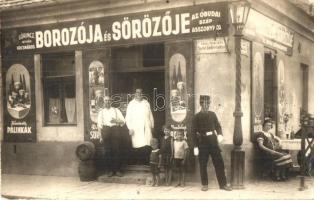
column 204, row 98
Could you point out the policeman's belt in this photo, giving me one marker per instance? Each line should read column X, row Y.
column 208, row 133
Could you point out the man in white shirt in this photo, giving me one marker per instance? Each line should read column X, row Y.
column 109, row 122
column 140, row 122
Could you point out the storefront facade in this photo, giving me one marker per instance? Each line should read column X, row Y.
column 65, row 63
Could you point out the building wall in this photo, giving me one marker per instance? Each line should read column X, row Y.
column 53, row 154
column 211, row 73
column 47, row 155
column 42, row 158
column 288, row 15
column 80, row 10
column 294, row 80
column 54, row 151
column 215, row 76
column 306, row 57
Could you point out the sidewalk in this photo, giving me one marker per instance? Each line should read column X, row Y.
column 51, row 187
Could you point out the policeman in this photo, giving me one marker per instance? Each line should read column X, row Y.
column 206, row 134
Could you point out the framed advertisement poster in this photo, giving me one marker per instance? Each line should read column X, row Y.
column 179, row 79
column 257, row 88
column 19, row 99
column 96, row 66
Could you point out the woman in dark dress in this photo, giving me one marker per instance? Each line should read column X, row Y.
column 269, row 147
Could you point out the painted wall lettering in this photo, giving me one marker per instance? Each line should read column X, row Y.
column 186, row 22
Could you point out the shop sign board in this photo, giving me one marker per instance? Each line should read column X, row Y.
column 212, row 45
column 269, row 32
column 245, row 47
column 19, row 100
column 159, row 25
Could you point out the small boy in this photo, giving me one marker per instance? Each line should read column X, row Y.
column 180, row 148
column 155, row 161
column 166, row 153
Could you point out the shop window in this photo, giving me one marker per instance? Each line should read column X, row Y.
column 59, row 88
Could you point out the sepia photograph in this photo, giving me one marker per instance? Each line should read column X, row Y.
column 157, row 99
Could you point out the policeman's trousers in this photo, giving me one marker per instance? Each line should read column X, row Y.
column 218, row 164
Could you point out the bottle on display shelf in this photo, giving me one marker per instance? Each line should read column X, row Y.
column 311, row 120
column 174, row 78
column 292, row 135
column 179, row 75
column 106, row 91
column 11, row 87
column 306, row 120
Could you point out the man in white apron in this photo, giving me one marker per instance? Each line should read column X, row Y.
column 140, row 122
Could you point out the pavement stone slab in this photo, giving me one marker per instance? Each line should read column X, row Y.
column 50, row 187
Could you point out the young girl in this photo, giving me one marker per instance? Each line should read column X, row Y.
column 180, row 148
column 155, row 161
column 166, row 153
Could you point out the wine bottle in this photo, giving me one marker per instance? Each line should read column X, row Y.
column 93, row 101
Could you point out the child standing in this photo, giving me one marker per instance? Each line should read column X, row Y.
column 155, row 161
column 180, row 148
column 166, row 153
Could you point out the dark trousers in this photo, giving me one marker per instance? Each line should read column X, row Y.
column 113, row 147
column 218, row 164
column 140, row 156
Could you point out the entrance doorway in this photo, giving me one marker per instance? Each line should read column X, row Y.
column 270, row 88
column 123, row 85
column 139, row 66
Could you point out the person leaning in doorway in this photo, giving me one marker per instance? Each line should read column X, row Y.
column 110, row 120
column 205, row 126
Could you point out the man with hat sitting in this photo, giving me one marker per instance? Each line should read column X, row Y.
column 206, row 134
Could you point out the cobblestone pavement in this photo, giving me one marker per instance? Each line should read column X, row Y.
column 51, row 187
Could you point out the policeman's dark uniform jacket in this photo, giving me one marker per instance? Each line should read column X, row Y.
column 203, row 133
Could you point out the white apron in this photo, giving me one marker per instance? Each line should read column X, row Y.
column 139, row 118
